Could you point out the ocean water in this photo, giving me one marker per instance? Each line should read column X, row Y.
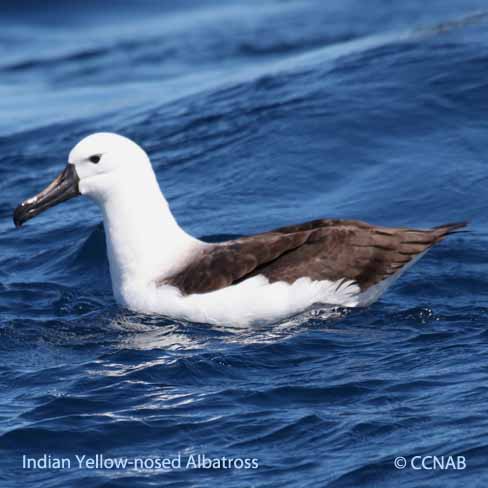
column 256, row 114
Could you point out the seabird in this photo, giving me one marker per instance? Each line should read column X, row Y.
column 156, row 267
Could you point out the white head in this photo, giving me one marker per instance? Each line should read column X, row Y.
column 101, row 166
column 106, row 163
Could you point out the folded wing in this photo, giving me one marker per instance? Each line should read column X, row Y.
column 330, row 250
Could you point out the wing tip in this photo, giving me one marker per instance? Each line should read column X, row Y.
column 451, row 228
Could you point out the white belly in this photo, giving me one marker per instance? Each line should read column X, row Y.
column 253, row 301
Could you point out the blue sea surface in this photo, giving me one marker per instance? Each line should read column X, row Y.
column 255, row 114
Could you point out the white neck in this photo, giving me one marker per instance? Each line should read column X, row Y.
column 144, row 241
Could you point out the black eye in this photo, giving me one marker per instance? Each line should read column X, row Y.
column 95, row 158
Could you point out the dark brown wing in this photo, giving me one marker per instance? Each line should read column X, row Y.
column 220, row 265
column 321, row 250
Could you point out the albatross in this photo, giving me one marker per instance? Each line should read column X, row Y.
column 156, row 267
